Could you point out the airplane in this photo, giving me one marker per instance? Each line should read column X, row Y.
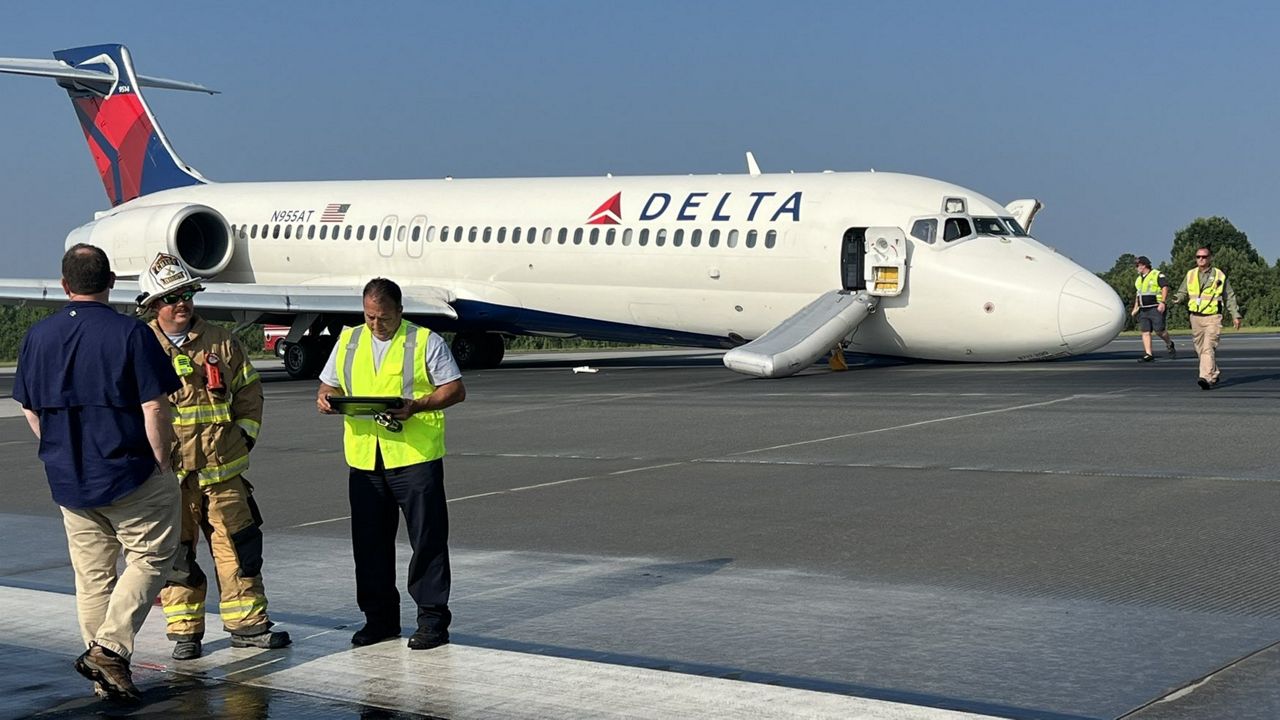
column 776, row 268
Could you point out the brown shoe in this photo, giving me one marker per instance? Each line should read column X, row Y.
column 109, row 670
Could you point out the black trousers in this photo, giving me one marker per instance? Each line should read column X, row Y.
column 377, row 499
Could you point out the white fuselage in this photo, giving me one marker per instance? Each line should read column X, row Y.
column 982, row 298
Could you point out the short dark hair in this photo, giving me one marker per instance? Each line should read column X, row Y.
column 383, row 290
column 1144, row 260
column 86, row 269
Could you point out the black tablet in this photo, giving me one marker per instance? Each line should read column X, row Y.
column 364, row 404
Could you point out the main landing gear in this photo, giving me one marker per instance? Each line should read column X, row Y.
column 478, row 351
column 304, row 359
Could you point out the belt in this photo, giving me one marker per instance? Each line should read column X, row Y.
column 1205, row 314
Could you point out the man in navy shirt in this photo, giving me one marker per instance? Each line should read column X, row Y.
column 94, row 386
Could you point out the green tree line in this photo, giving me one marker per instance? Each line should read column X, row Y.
column 1256, row 284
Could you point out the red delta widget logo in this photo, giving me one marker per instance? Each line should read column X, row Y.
column 696, row 207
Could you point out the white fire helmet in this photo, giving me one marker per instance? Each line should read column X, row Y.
column 165, row 275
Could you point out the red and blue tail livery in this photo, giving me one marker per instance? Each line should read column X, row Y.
column 129, row 149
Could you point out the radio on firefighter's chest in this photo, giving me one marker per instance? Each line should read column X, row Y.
column 200, row 369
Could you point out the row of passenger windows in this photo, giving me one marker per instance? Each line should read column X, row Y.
column 562, row 236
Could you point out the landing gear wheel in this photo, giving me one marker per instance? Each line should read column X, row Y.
column 303, row 360
column 478, row 350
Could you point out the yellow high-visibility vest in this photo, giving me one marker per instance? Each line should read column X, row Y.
column 1205, row 301
column 403, row 373
column 1148, row 285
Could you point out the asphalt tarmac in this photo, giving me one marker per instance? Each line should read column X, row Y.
column 1089, row 538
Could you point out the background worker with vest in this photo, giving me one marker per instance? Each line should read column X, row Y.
column 1205, row 287
column 1149, row 307
column 217, row 414
column 396, row 463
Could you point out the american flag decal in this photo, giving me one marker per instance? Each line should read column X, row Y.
column 335, row 212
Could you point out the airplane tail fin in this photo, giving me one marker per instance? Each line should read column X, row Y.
column 131, row 152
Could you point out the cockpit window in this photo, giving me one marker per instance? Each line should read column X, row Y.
column 956, row 229
column 1014, row 227
column 989, row 226
column 926, row 230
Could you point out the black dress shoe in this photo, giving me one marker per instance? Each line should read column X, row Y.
column 1204, row 384
column 375, row 633
column 426, row 639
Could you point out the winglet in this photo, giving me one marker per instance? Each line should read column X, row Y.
column 752, row 168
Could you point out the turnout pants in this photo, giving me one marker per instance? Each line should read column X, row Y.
column 226, row 514
column 377, row 498
column 1205, row 332
column 144, row 524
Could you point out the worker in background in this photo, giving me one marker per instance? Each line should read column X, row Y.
column 217, row 415
column 1149, row 307
column 1206, row 288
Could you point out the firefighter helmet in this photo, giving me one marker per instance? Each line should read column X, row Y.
column 165, row 275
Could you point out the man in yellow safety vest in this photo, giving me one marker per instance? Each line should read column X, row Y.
column 395, row 461
column 1206, row 288
column 1151, row 291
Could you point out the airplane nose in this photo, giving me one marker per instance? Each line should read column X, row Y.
column 1090, row 313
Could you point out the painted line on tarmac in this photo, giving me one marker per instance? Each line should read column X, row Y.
column 920, row 423
column 522, row 488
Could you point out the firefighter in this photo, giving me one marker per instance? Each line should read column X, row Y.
column 217, row 414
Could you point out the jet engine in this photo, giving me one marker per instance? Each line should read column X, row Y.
column 196, row 234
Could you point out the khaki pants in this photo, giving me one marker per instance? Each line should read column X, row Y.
column 1205, row 331
column 144, row 524
column 226, row 514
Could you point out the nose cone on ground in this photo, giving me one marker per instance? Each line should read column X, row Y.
column 1090, row 313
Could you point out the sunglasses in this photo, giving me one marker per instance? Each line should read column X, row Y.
column 1202, row 257
column 388, row 422
column 173, row 298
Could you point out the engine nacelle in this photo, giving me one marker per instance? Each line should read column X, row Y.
column 198, row 235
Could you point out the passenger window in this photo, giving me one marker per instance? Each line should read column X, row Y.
column 955, row 229
column 562, row 236
column 346, row 235
column 925, row 230
column 713, row 240
column 626, row 236
column 751, row 237
column 488, row 232
column 298, row 233
column 359, row 232
column 609, row 236
column 577, row 236
column 473, row 233
column 546, row 236
column 400, row 233
column 502, row 234
column 416, row 234
column 287, row 229
column 661, row 238
column 677, row 238
column 324, row 231
column 595, row 236
column 431, row 233
column 644, row 237
column 515, row 235
column 311, row 232
column 770, row 239
column 695, row 238
column 732, row 239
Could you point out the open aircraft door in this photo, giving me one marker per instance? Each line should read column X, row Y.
column 795, row 343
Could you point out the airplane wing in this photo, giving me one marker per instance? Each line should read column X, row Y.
column 247, row 300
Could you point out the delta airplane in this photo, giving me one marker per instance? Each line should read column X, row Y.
column 777, row 268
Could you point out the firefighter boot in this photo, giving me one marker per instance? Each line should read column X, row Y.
column 267, row 639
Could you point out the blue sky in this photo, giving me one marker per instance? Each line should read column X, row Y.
column 1128, row 119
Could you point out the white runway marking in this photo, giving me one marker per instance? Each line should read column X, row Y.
column 920, row 423
column 454, row 681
